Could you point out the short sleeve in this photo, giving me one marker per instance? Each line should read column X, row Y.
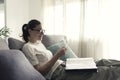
column 29, row 53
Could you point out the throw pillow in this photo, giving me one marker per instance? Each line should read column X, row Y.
column 55, row 47
column 15, row 43
column 15, row 66
column 3, row 44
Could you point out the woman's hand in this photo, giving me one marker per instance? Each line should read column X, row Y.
column 61, row 51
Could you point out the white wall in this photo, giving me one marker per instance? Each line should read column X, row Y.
column 35, row 9
column 17, row 13
column 2, row 20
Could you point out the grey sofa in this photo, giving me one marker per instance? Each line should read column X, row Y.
column 15, row 66
column 13, row 63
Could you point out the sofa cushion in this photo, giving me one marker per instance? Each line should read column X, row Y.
column 55, row 47
column 15, row 66
column 15, row 43
column 3, row 44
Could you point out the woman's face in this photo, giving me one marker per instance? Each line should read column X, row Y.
column 36, row 33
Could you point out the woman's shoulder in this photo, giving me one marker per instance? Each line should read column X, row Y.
column 27, row 46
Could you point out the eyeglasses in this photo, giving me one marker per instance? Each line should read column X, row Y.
column 39, row 30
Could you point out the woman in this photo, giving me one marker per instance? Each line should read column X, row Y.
column 41, row 58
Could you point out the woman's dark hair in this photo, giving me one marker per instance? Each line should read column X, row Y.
column 31, row 24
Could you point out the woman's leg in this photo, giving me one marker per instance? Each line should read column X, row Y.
column 62, row 74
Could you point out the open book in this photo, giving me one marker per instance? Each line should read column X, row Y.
column 80, row 63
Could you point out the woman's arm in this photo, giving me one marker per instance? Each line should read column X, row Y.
column 46, row 68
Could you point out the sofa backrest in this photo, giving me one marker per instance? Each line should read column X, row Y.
column 15, row 43
column 47, row 40
column 51, row 42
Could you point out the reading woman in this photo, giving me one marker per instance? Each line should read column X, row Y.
column 42, row 59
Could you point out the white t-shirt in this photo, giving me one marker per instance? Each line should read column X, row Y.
column 38, row 54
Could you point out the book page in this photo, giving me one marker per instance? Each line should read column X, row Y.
column 80, row 63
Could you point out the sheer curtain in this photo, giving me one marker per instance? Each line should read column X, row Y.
column 63, row 17
column 91, row 26
column 102, row 22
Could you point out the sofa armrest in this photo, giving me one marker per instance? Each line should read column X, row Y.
column 15, row 66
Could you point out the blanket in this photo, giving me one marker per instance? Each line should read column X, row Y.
column 107, row 70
